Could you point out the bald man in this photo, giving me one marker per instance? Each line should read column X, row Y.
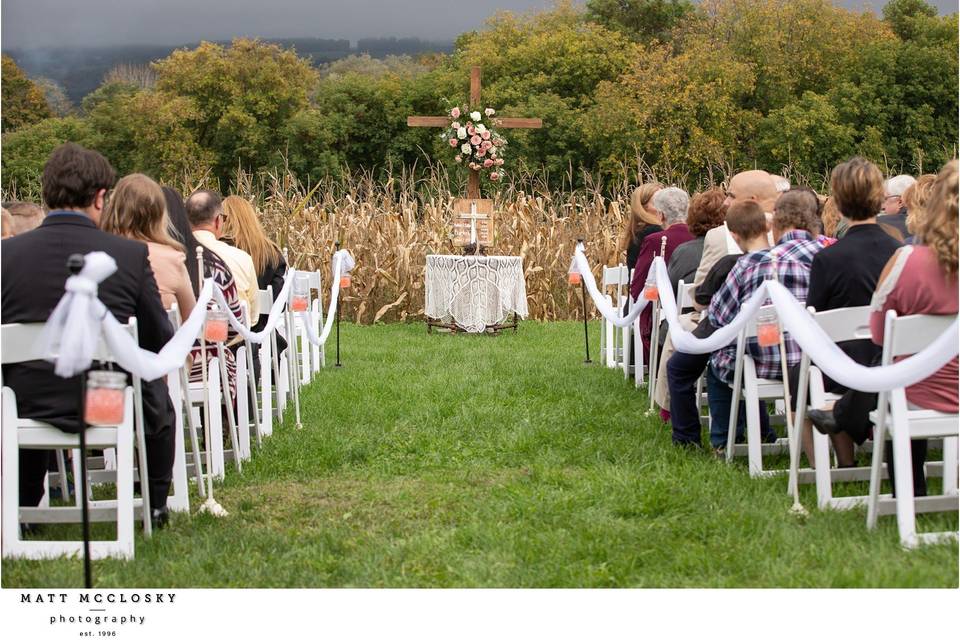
column 754, row 185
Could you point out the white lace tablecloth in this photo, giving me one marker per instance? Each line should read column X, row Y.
column 474, row 291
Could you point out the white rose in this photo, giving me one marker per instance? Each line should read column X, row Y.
column 465, row 148
column 481, row 128
column 475, row 116
column 462, row 133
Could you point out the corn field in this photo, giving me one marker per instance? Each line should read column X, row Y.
column 391, row 226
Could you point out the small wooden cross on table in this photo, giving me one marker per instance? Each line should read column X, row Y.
column 473, row 185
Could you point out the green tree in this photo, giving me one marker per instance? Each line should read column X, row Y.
column 907, row 17
column 23, row 102
column 26, row 150
column 641, row 20
column 242, row 97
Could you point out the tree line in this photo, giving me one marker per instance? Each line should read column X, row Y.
column 624, row 87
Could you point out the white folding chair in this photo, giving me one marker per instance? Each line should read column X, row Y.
column 895, row 419
column 177, row 382
column 21, row 343
column 610, row 342
column 752, row 390
column 271, row 390
column 840, row 325
column 312, row 357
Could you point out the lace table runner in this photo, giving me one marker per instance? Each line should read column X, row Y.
column 474, row 291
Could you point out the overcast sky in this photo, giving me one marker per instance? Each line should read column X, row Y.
column 102, row 22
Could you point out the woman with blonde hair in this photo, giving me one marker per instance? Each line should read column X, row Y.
column 914, row 199
column 137, row 209
column 643, row 220
column 242, row 229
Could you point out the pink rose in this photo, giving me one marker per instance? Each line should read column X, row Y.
column 487, row 163
column 494, row 176
column 485, row 135
column 453, row 142
column 455, row 112
column 486, row 144
column 481, row 152
column 471, row 130
column 499, row 162
column 475, row 140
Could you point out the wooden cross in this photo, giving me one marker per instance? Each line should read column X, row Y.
column 473, row 185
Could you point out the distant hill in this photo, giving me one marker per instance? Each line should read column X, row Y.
column 81, row 70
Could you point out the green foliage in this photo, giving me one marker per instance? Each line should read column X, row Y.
column 23, row 102
column 908, row 18
column 641, row 20
column 240, row 98
column 26, row 150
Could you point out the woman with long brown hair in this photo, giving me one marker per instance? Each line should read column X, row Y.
column 242, row 229
column 137, row 209
column 642, row 221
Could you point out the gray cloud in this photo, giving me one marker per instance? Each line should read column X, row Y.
column 35, row 23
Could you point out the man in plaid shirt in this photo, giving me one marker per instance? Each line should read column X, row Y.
column 794, row 229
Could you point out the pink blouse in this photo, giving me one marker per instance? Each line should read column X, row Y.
column 170, row 269
column 915, row 285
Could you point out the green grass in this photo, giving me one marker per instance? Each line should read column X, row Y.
column 468, row 461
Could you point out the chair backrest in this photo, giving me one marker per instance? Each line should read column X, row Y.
column 314, row 279
column 850, row 323
column 245, row 313
column 685, row 294
column 906, row 335
column 615, row 276
column 265, row 300
column 21, row 343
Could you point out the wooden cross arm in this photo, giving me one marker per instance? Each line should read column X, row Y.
column 444, row 121
column 428, row 121
column 520, row 123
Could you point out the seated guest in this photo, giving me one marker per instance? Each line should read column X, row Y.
column 748, row 226
column 213, row 267
column 26, row 216
column 672, row 204
column 831, row 220
column 914, row 199
column 918, row 279
column 75, row 182
column 845, row 274
column 894, row 211
column 137, row 210
column 706, row 212
column 242, row 229
column 641, row 222
column 793, row 228
column 205, row 210
column 755, row 186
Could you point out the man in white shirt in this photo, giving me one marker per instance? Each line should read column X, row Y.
column 205, row 210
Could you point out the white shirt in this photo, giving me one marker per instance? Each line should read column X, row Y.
column 241, row 266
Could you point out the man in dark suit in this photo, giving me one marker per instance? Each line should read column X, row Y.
column 75, row 184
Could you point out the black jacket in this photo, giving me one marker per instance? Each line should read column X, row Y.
column 34, row 272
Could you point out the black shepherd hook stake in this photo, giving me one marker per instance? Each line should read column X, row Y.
column 583, row 298
column 339, row 305
column 74, row 265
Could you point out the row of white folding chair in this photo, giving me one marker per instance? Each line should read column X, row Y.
column 894, row 418
column 312, row 357
column 21, row 343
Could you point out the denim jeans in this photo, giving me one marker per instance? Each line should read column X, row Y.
column 720, row 397
column 683, row 371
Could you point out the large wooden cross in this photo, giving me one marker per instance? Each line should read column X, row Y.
column 473, row 185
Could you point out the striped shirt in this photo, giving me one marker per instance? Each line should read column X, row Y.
column 794, row 257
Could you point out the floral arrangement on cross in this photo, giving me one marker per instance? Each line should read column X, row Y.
column 475, row 141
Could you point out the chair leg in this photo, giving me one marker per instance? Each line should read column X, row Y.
column 876, row 466
column 950, row 466
column 243, row 406
column 141, row 444
column 180, row 500
column 752, row 401
column 903, row 470
column 255, row 405
column 228, row 406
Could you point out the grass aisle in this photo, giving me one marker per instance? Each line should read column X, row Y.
column 461, row 461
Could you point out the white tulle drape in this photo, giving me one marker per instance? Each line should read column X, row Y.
column 797, row 321
column 73, row 330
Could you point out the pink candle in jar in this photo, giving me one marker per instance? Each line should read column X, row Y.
column 104, row 398
column 215, row 330
column 345, row 281
column 299, row 303
column 574, row 278
column 650, row 292
column 768, row 334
